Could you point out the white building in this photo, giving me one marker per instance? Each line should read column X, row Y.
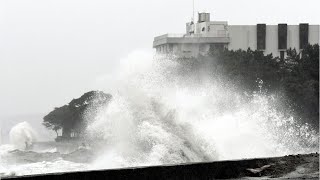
column 200, row 36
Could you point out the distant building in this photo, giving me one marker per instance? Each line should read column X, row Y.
column 203, row 34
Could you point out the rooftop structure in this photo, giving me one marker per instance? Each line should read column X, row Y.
column 205, row 34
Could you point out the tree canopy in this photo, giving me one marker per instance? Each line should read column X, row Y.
column 72, row 118
column 297, row 76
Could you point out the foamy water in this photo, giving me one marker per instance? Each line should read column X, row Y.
column 22, row 135
column 42, row 168
column 165, row 111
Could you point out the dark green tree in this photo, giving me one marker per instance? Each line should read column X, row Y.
column 301, row 82
column 297, row 76
column 72, row 118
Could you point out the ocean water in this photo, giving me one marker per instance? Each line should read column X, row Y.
column 166, row 111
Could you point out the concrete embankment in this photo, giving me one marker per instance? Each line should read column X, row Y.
column 288, row 167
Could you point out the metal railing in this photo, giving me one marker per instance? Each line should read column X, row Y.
column 217, row 34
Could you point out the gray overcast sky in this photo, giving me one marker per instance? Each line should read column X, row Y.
column 52, row 50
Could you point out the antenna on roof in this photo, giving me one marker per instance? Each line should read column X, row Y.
column 192, row 10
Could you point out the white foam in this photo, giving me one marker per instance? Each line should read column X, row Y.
column 22, row 135
column 42, row 168
column 5, row 148
column 163, row 113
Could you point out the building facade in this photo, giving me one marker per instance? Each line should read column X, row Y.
column 206, row 34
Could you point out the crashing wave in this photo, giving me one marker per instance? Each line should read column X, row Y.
column 22, row 136
column 166, row 112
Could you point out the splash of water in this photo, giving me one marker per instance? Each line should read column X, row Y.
column 22, row 135
column 166, row 111
column 41, row 168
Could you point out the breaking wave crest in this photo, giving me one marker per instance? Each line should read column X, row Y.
column 166, row 111
column 22, row 135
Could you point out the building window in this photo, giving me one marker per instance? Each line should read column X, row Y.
column 303, row 35
column 261, row 36
column 202, row 47
column 170, row 47
column 282, row 36
column 282, row 55
column 217, row 47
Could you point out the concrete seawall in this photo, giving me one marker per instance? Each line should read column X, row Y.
column 288, row 167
